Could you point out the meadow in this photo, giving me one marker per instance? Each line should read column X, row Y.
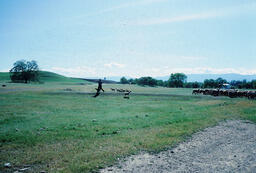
column 57, row 126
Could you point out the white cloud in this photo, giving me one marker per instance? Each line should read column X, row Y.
column 198, row 16
column 163, row 58
column 139, row 71
column 75, row 71
column 85, row 71
column 157, row 21
column 128, row 5
column 4, row 70
column 121, row 6
column 198, row 70
column 114, row 64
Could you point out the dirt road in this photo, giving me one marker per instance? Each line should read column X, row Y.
column 228, row 147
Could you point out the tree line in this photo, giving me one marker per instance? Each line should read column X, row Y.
column 179, row 80
column 26, row 71
column 176, row 80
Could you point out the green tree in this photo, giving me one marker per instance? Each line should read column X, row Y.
column 131, row 81
column 220, row 82
column 253, row 84
column 192, row 85
column 24, row 71
column 123, row 80
column 177, row 80
column 160, row 83
column 209, row 83
column 147, row 81
column 243, row 84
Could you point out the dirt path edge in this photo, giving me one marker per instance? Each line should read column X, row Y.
column 228, row 147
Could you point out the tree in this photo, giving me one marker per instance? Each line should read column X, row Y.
column 220, row 82
column 209, row 83
column 123, row 80
column 192, row 85
column 243, row 84
column 177, row 80
column 160, row 83
column 24, row 71
column 253, row 84
column 131, row 81
column 147, row 81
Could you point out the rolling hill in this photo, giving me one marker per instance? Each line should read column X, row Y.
column 4, row 77
column 201, row 77
column 44, row 76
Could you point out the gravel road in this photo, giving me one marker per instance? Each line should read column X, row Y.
column 227, row 147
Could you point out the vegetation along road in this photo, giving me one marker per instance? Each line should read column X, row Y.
column 54, row 127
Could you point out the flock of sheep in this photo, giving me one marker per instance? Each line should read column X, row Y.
column 125, row 91
column 232, row 93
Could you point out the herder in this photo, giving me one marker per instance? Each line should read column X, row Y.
column 99, row 88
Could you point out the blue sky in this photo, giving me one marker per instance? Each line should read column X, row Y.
column 98, row 38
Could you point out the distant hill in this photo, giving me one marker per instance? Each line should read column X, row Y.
column 96, row 80
column 117, row 78
column 228, row 77
column 199, row 77
column 202, row 77
column 44, row 76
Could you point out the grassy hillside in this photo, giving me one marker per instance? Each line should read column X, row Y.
column 4, row 77
column 58, row 130
column 44, row 76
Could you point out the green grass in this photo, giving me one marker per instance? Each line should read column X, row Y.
column 4, row 77
column 44, row 76
column 69, row 131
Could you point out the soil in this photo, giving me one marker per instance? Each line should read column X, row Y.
column 228, row 147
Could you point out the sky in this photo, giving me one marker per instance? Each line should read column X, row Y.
column 101, row 38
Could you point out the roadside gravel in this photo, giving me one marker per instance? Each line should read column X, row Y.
column 227, row 147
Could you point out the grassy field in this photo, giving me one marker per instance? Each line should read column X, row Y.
column 58, row 127
column 44, row 76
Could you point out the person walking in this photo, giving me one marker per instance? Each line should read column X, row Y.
column 99, row 88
